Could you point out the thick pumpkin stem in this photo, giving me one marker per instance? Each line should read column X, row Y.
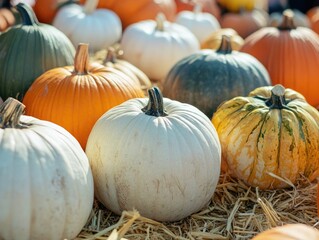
column 225, row 45
column 90, row 6
column 155, row 106
column 27, row 14
column 160, row 20
column 10, row 113
column 81, row 60
column 287, row 21
column 277, row 99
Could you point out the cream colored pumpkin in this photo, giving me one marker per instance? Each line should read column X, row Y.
column 159, row 156
column 46, row 184
column 155, row 46
column 201, row 24
column 100, row 28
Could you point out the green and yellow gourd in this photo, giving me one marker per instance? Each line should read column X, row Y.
column 272, row 132
column 29, row 49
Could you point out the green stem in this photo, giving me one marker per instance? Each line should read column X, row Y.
column 155, row 106
column 225, row 45
column 277, row 99
column 10, row 113
column 27, row 14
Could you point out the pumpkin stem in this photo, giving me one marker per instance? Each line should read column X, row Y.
column 27, row 14
column 160, row 20
column 90, row 6
column 197, row 8
column 277, row 99
column 287, row 21
column 81, row 60
column 225, row 45
column 112, row 54
column 10, row 113
column 155, row 106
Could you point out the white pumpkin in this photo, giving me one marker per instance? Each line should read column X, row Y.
column 201, row 24
column 100, row 28
column 160, row 157
column 155, row 46
column 46, row 185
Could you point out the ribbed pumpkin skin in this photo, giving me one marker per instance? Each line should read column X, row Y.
column 290, row 56
column 75, row 100
column 257, row 139
column 296, row 231
column 27, row 51
column 166, row 167
column 207, row 78
column 46, row 183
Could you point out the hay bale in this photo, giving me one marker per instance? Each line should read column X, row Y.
column 236, row 211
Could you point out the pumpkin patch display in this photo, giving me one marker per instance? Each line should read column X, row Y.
column 293, row 231
column 290, row 54
column 273, row 131
column 158, row 156
column 199, row 23
column 100, row 28
column 155, row 46
column 74, row 97
column 111, row 60
column 29, row 49
column 46, row 183
column 207, row 78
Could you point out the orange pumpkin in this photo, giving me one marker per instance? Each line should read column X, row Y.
column 290, row 54
column 209, row 6
column 245, row 22
column 74, row 97
column 294, row 231
column 131, row 11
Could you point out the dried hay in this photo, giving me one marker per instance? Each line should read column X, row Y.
column 236, row 211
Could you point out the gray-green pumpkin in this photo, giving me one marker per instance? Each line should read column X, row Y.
column 209, row 77
column 29, row 49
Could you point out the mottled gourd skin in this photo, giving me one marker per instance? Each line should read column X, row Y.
column 29, row 49
column 208, row 78
column 258, row 138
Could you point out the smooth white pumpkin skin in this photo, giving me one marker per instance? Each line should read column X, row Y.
column 201, row 24
column 154, row 51
column 46, row 185
column 100, row 29
column 165, row 167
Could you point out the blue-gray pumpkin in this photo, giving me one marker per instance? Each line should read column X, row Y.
column 209, row 77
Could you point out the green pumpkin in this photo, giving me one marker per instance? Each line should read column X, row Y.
column 29, row 49
column 209, row 77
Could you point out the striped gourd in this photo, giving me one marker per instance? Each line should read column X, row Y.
column 273, row 131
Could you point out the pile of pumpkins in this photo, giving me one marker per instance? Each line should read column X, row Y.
column 153, row 128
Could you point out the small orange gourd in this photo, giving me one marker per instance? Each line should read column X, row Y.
column 74, row 97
